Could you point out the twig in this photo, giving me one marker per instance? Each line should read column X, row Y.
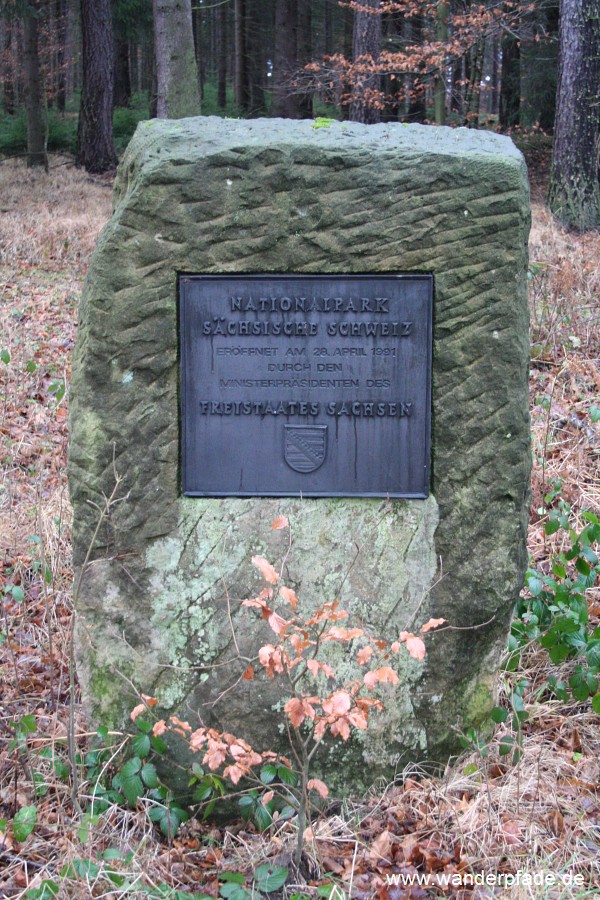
column 71, row 721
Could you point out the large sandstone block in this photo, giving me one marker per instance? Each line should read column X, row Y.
column 217, row 196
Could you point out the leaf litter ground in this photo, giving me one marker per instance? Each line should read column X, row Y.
column 481, row 814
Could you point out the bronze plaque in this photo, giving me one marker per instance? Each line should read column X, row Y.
column 305, row 385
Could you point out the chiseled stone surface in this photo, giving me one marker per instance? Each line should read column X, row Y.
column 217, row 196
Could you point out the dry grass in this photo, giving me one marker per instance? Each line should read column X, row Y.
column 482, row 813
column 50, row 220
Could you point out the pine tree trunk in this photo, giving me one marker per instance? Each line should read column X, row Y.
column 285, row 100
column 95, row 144
column 457, row 86
column 222, row 58
column 417, row 109
column 8, row 85
column 240, row 82
column 122, row 82
column 256, row 65
column 305, row 100
column 70, row 54
column 510, row 83
column 473, row 95
column 439, row 90
column 366, row 42
column 199, row 48
column 347, row 51
column 574, row 195
column 177, row 93
column 35, row 102
column 60, row 18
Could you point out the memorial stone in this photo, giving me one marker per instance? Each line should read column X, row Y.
column 256, row 339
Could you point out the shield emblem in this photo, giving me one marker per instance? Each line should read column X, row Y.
column 305, row 447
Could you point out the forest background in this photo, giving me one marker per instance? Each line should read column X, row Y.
column 76, row 79
column 506, row 64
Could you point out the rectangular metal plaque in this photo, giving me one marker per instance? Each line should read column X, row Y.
column 305, row 385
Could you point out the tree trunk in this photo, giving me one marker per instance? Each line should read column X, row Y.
column 347, row 52
column 240, row 82
column 473, row 94
column 510, row 83
column 95, row 144
column 60, row 18
column 548, row 104
column 256, row 53
column 285, row 100
column 122, row 83
column 35, row 101
column 457, row 86
column 417, row 108
column 439, row 90
column 177, row 93
column 70, row 54
column 305, row 100
column 199, row 48
column 366, row 43
column 327, row 29
column 222, row 58
column 6, row 61
column 574, row 195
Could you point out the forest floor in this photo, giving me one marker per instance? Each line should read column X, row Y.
column 484, row 813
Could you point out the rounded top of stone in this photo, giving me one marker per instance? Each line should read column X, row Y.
column 205, row 135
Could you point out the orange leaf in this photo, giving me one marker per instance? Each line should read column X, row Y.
column 298, row 644
column 279, row 522
column 364, row 656
column 295, row 710
column 314, row 667
column 266, row 569
column 338, row 704
column 137, row 711
column 289, row 596
column 383, row 675
column 388, row 675
column 343, row 634
column 159, row 728
column 358, row 718
column 277, row 623
column 150, row 701
column 184, row 726
column 433, row 623
column 341, row 727
column 260, row 602
column 315, row 784
column 380, row 850
column 415, row 647
column 270, row 658
column 248, row 674
column 215, row 755
column 234, row 773
column 266, row 798
column 198, row 739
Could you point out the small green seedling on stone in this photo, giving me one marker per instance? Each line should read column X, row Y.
column 323, row 122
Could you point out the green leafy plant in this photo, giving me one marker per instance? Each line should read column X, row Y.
column 511, row 741
column 24, row 822
column 555, row 615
